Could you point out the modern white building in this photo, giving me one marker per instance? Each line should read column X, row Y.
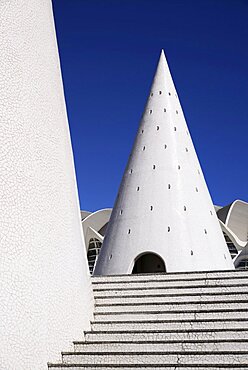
column 234, row 223
column 163, row 218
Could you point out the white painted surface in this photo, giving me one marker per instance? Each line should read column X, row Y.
column 233, row 220
column 237, row 219
column 93, row 223
column 206, row 346
column 166, row 336
column 148, row 334
column 45, row 291
column 194, row 241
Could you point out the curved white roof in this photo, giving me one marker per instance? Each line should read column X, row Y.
column 93, row 223
column 235, row 217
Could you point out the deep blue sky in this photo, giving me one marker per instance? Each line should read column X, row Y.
column 109, row 51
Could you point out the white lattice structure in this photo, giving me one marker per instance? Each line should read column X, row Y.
column 163, row 205
column 45, row 291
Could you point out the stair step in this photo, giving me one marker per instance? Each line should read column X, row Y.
column 173, row 321
column 145, row 367
column 185, row 357
column 171, row 306
column 154, row 284
column 169, row 325
column 173, row 315
column 210, row 289
column 162, row 335
column 170, row 276
column 162, row 346
column 167, row 297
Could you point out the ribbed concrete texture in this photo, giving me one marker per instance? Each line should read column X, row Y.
column 186, row 330
column 46, row 297
column 163, row 205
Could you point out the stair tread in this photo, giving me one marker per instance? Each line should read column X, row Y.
column 165, row 287
column 152, row 353
column 160, row 358
column 180, row 273
column 171, row 303
column 167, row 341
column 165, row 331
column 149, row 366
column 160, row 321
column 170, row 294
column 172, row 311
column 165, row 278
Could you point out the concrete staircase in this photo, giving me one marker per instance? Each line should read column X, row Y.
column 166, row 321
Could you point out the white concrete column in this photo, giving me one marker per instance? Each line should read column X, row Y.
column 45, row 292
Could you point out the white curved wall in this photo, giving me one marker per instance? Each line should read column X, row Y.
column 45, row 292
column 237, row 219
column 93, row 223
column 182, row 226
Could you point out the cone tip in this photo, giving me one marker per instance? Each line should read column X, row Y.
column 162, row 55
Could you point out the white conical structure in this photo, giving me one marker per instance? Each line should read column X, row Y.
column 163, row 205
column 45, row 291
